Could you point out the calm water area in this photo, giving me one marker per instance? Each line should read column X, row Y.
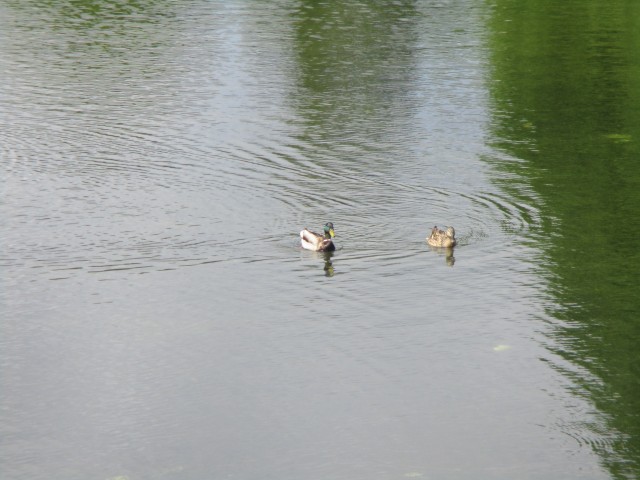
column 159, row 319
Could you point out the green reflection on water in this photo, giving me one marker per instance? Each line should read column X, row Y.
column 354, row 63
column 565, row 92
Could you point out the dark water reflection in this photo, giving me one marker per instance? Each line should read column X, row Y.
column 572, row 115
column 160, row 319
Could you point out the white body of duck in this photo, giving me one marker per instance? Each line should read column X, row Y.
column 316, row 242
column 442, row 238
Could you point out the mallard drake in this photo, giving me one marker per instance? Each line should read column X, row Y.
column 442, row 238
column 316, row 242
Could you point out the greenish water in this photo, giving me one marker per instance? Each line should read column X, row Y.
column 159, row 319
column 565, row 94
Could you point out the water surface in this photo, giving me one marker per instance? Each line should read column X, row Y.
column 160, row 319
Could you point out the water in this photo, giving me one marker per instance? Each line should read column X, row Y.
column 160, row 319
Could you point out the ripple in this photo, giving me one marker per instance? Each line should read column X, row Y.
column 148, row 164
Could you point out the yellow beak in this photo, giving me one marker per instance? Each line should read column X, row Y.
column 332, row 233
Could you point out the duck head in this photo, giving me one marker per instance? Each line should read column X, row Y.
column 328, row 230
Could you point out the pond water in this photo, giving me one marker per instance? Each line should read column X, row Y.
column 160, row 320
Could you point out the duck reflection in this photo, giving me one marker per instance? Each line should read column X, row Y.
column 325, row 257
column 328, row 265
column 447, row 252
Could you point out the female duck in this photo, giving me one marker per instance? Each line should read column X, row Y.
column 442, row 238
column 316, row 242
